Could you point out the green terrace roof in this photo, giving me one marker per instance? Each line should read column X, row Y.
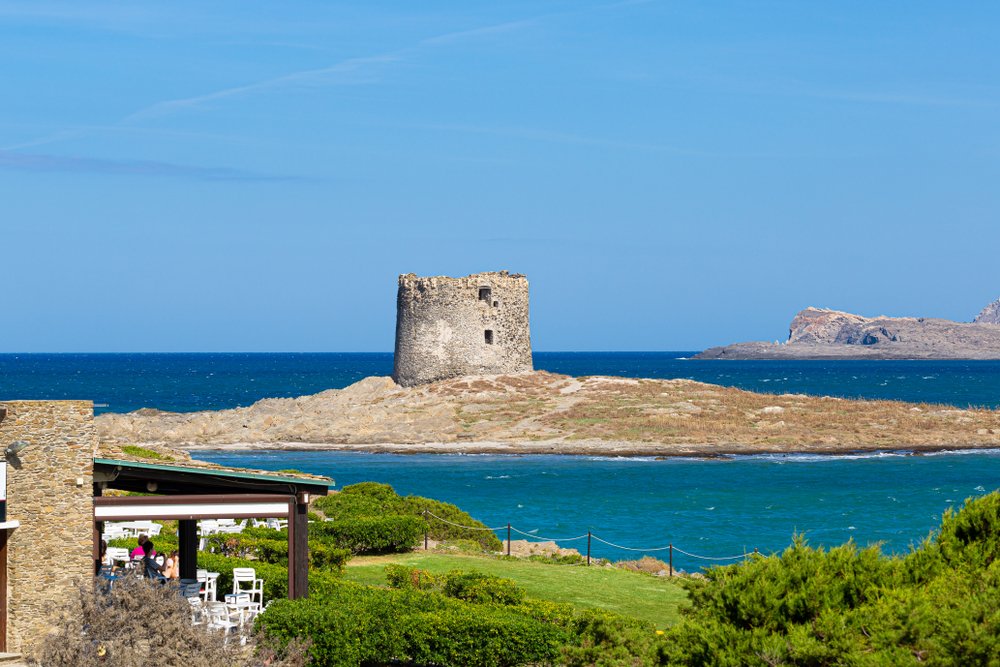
column 304, row 481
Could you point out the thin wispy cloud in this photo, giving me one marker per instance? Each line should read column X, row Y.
column 499, row 28
column 350, row 71
column 889, row 96
column 359, row 69
column 38, row 162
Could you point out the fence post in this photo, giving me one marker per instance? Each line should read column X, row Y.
column 588, row 547
column 425, row 529
column 508, row 538
column 671, row 559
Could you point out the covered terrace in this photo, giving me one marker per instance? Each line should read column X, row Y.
column 190, row 491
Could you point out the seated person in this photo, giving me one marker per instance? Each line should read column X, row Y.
column 140, row 550
column 151, row 568
column 172, row 568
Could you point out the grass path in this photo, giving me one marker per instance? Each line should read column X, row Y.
column 654, row 599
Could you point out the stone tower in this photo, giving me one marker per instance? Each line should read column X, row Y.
column 450, row 327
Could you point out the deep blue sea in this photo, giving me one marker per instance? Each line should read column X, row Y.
column 709, row 508
column 186, row 382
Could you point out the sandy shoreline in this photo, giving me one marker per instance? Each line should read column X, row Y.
column 597, row 448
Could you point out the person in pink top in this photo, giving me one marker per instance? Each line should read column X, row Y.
column 140, row 551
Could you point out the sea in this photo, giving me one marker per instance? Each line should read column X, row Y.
column 709, row 511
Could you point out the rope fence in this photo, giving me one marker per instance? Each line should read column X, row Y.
column 589, row 536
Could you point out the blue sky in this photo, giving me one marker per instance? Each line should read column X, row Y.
column 252, row 176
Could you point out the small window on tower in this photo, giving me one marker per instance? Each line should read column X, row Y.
column 485, row 293
column 489, row 336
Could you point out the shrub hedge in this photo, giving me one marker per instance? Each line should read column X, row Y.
column 355, row 625
column 371, row 535
column 267, row 550
column 482, row 588
column 370, row 499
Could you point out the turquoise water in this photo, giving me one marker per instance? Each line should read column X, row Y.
column 187, row 382
column 714, row 508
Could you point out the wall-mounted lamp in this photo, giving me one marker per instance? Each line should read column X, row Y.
column 151, row 487
column 15, row 448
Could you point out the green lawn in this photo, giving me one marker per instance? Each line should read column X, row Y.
column 650, row 598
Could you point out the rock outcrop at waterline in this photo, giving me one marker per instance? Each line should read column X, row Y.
column 830, row 334
column 544, row 413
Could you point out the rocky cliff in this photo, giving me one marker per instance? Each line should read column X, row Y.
column 829, row 334
column 990, row 314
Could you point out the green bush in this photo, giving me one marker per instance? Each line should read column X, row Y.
column 481, row 588
column 370, row 535
column 370, row 499
column 400, row 576
column 608, row 639
column 275, row 551
column 849, row 606
column 355, row 625
column 326, row 557
column 476, row 587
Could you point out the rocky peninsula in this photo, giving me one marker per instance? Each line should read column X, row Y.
column 545, row 413
column 830, row 334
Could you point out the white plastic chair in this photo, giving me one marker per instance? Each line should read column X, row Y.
column 242, row 604
column 208, row 592
column 220, row 617
column 117, row 555
column 232, row 528
column 247, row 575
column 197, row 611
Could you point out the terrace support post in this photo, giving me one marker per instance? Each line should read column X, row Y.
column 98, row 529
column 3, row 590
column 508, row 538
column 298, row 548
column 588, row 547
column 187, row 548
column 671, row 560
column 425, row 529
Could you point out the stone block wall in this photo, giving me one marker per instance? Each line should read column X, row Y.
column 50, row 492
column 453, row 327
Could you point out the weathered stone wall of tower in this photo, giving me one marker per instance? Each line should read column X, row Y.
column 452, row 327
column 50, row 492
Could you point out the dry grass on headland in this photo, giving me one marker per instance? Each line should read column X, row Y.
column 546, row 413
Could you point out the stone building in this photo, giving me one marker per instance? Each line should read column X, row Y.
column 47, row 544
column 53, row 473
column 452, row 327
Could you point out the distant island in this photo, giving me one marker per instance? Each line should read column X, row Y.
column 817, row 333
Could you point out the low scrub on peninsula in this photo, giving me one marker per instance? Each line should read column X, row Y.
column 556, row 414
column 357, row 505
